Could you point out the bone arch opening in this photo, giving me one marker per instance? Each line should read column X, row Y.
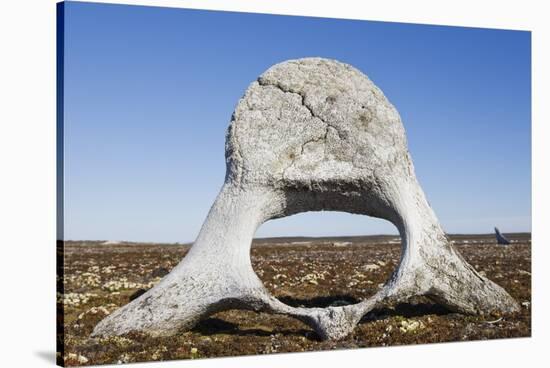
column 324, row 270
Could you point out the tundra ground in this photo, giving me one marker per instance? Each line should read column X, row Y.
column 99, row 277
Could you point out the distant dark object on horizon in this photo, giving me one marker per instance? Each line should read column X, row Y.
column 501, row 239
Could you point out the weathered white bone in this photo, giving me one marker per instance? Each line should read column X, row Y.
column 309, row 135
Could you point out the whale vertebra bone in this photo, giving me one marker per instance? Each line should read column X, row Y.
column 310, row 135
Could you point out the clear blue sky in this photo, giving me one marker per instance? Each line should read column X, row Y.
column 149, row 93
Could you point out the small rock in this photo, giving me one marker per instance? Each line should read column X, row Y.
column 371, row 267
column 76, row 357
column 279, row 276
column 408, row 326
column 124, row 358
column 341, row 244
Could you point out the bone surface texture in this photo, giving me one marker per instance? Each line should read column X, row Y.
column 310, row 135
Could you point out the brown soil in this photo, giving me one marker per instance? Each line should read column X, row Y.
column 99, row 278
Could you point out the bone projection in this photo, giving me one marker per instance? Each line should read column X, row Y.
column 310, row 135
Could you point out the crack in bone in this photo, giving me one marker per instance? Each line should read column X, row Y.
column 262, row 82
column 302, row 148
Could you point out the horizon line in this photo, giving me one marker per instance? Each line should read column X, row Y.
column 289, row 237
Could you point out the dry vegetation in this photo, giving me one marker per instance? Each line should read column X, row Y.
column 98, row 278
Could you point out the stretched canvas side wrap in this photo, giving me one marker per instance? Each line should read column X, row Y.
column 241, row 184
